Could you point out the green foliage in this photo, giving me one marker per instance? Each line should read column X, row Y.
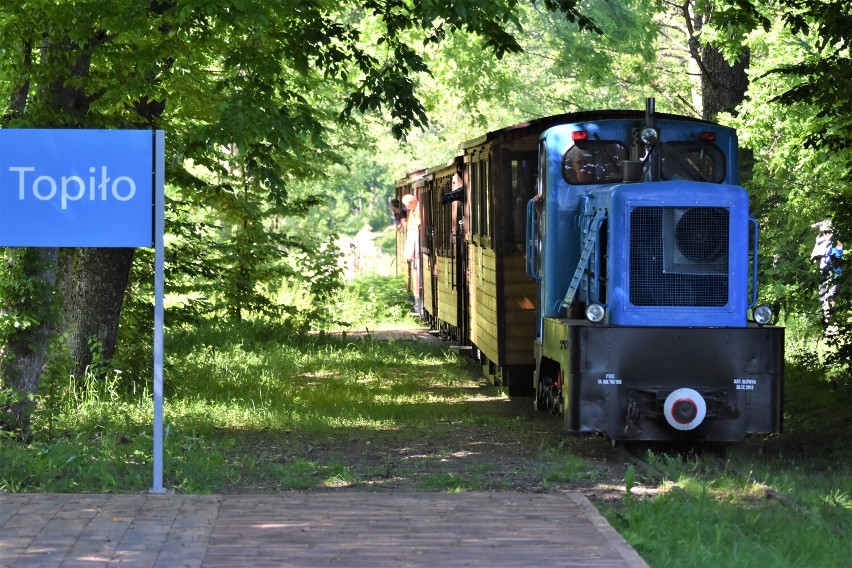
column 562, row 67
column 356, row 191
column 387, row 244
column 256, row 98
column 250, row 407
column 373, row 300
column 796, row 120
column 10, row 397
column 29, row 300
column 724, row 515
column 564, row 467
column 629, row 480
column 235, row 273
column 490, row 21
column 816, row 414
column 28, row 309
column 301, row 474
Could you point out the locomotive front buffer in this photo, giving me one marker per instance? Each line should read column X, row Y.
column 663, row 383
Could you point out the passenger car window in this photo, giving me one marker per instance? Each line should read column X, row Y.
column 522, row 180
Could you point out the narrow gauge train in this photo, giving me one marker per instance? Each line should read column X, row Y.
column 606, row 263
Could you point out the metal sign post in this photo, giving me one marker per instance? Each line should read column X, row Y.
column 159, row 288
column 90, row 188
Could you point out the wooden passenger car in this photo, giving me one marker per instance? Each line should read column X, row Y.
column 443, row 254
column 499, row 181
column 474, row 284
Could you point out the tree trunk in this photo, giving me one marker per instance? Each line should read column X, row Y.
column 23, row 354
column 93, row 282
column 723, row 85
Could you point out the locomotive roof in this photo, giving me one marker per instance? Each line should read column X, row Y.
column 411, row 177
column 425, row 174
column 528, row 127
column 541, row 124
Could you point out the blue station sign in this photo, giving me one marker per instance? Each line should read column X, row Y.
column 76, row 188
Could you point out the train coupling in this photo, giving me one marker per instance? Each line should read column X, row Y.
column 682, row 408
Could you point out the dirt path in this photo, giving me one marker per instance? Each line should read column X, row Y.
column 527, row 452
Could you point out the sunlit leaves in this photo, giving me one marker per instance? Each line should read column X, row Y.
column 252, row 94
column 797, row 121
column 569, row 8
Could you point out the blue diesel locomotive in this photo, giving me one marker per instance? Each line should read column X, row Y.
column 639, row 318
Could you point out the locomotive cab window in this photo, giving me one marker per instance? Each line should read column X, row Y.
column 594, row 162
column 698, row 161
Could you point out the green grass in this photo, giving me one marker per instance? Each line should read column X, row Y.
column 451, row 482
column 563, row 467
column 224, row 398
column 701, row 527
column 724, row 515
column 249, row 407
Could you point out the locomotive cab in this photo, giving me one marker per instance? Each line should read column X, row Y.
column 645, row 258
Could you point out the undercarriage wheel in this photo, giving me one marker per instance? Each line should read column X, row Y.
column 555, row 398
column 540, row 394
column 548, row 396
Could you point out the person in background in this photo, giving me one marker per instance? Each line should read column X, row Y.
column 828, row 251
column 411, row 251
column 400, row 214
column 413, row 227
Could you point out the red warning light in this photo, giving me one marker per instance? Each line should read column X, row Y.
column 579, row 135
column 707, row 136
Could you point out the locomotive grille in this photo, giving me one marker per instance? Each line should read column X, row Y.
column 679, row 256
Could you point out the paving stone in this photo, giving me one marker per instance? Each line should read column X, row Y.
column 344, row 528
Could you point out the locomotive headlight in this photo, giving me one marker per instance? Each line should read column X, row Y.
column 762, row 314
column 649, row 135
column 595, row 313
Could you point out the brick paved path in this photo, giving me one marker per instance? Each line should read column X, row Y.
column 308, row 529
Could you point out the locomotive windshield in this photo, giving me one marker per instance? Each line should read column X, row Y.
column 698, row 161
column 594, row 161
column 598, row 161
